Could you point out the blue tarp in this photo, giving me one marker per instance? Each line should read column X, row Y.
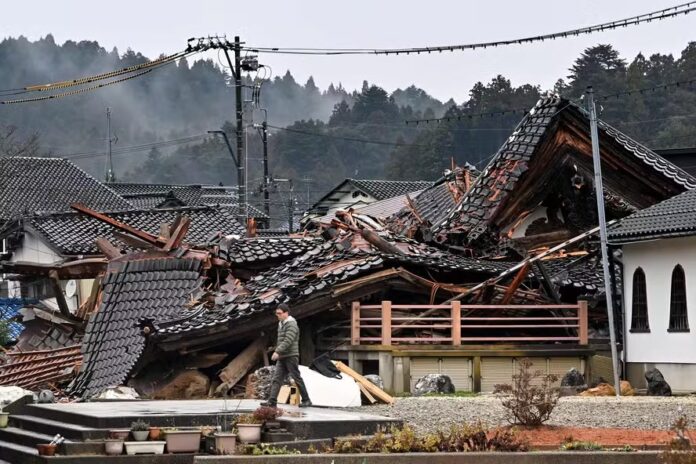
column 9, row 309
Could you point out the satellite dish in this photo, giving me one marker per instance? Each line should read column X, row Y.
column 70, row 288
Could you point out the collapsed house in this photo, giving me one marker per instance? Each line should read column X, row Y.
column 474, row 271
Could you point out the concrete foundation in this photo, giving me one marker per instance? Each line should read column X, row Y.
column 680, row 377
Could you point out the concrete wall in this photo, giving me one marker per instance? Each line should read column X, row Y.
column 34, row 250
column 658, row 259
column 680, row 377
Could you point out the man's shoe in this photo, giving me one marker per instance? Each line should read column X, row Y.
column 306, row 404
column 269, row 404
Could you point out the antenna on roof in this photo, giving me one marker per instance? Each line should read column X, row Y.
column 110, row 176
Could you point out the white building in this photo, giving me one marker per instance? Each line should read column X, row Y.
column 659, row 295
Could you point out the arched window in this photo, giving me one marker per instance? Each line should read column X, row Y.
column 678, row 317
column 639, row 305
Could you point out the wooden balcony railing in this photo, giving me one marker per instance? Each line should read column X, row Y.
column 569, row 324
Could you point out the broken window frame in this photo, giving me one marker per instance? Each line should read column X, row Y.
column 678, row 308
column 640, row 322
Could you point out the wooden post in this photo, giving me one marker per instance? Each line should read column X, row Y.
column 456, row 313
column 582, row 322
column 386, row 323
column 355, row 323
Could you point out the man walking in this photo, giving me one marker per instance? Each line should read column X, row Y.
column 287, row 357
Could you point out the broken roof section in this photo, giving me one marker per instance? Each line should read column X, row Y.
column 547, row 162
column 42, row 185
column 73, row 234
column 35, row 369
column 674, row 217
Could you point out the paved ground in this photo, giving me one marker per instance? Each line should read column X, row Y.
column 428, row 414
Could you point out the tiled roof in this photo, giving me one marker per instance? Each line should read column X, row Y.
column 75, row 234
column 133, row 291
column 382, row 189
column 35, row 369
column 314, row 273
column 153, row 195
column 266, row 250
column 9, row 310
column 497, row 182
column 674, row 217
column 42, row 185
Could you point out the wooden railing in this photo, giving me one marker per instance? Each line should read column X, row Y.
column 569, row 323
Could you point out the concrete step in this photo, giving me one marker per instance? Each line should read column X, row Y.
column 14, row 453
column 24, row 437
column 52, row 427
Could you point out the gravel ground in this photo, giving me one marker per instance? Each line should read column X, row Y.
column 639, row 412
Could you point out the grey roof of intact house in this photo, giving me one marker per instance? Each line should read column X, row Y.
column 73, row 234
column 382, row 189
column 34, row 185
column 674, row 217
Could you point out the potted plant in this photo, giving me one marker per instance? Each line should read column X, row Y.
column 249, row 428
column 183, row 441
column 140, row 430
column 268, row 415
column 4, row 417
column 144, row 447
column 113, row 446
column 121, row 434
column 46, row 449
column 154, row 433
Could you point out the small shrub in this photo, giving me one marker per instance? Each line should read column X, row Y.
column 581, row 446
column 531, row 398
column 680, row 449
column 248, row 419
column 267, row 413
column 139, row 426
column 267, row 450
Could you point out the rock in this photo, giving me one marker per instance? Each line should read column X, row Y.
column 626, row 388
column 186, row 384
column 375, row 379
column 434, row 383
column 119, row 393
column 657, row 385
column 45, row 396
column 259, row 384
column 12, row 393
column 572, row 383
column 603, row 389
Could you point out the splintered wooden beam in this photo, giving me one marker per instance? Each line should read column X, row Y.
column 515, row 284
column 142, row 235
column 242, row 364
column 178, row 234
column 108, row 249
column 58, row 293
column 369, row 386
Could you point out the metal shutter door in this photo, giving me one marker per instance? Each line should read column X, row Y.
column 538, row 364
column 495, row 371
column 459, row 370
column 423, row 366
column 560, row 366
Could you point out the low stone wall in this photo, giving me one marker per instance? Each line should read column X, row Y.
column 550, row 457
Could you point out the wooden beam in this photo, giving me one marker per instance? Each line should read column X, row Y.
column 108, row 249
column 514, row 285
column 367, row 393
column 142, row 235
column 179, row 233
column 582, row 321
column 371, row 387
column 456, row 322
column 241, row 364
column 355, row 323
column 58, row 293
column 386, row 323
column 546, row 282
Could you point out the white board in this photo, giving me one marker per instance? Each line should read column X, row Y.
column 331, row 392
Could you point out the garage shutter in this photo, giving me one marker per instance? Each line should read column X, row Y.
column 495, row 371
column 459, row 370
column 538, row 364
column 560, row 366
column 423, row 366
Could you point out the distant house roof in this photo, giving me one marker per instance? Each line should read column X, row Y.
column 45, row 185
column 674, row 217
column 73, row 234
column 150, row 196
column 383, row 189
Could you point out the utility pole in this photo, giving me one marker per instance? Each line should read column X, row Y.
column 291, row 209
column 237, row 161
column 266, row 179
column 109, row 176
column 599, row 192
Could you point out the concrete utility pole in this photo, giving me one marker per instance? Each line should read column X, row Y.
column 266, row 178
column 109, row 176
column 599, row 192
column 240, row 172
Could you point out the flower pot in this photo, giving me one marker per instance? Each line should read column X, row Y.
column 122, row 434
column 225, row 442
column 183, row 441
column 140, row 435
column 144, row 447
column 46, row 450
column 249, row 433
column 113, row 447
column 154, row 433
column 4, row 416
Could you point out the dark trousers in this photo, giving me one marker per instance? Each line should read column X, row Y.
column 283, row 367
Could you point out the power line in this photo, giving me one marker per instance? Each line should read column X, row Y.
column 642, row 91
column 349, row 139
column 665, row 13
column 138, row 148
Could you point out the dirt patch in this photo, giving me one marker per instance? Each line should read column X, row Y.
column 553, row 435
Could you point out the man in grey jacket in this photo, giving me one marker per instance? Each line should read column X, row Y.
column 287, row 357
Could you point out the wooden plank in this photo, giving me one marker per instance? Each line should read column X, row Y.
column 179, row 233
column 355, row 323
column 242, row 363
column 582, row 316
column 386, row 323
column 456, row 322
column 283, row 394
column 481, row 306
column 514, row 285
column 367, row 394
column 142, row 235
column 523, row 326
column 108, row 249
column 519, row 339
column 371, row 387
column 514, row 318
column 59, row 295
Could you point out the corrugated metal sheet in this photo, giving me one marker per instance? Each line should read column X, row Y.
column 459, row 370
column 422, row 366
column 495, row 371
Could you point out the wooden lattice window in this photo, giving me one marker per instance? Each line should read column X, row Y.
column 678, row 317
column 639, row 312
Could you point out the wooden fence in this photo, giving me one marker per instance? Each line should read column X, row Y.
column 465, row 323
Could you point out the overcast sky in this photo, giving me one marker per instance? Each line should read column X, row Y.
column 154, row 27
